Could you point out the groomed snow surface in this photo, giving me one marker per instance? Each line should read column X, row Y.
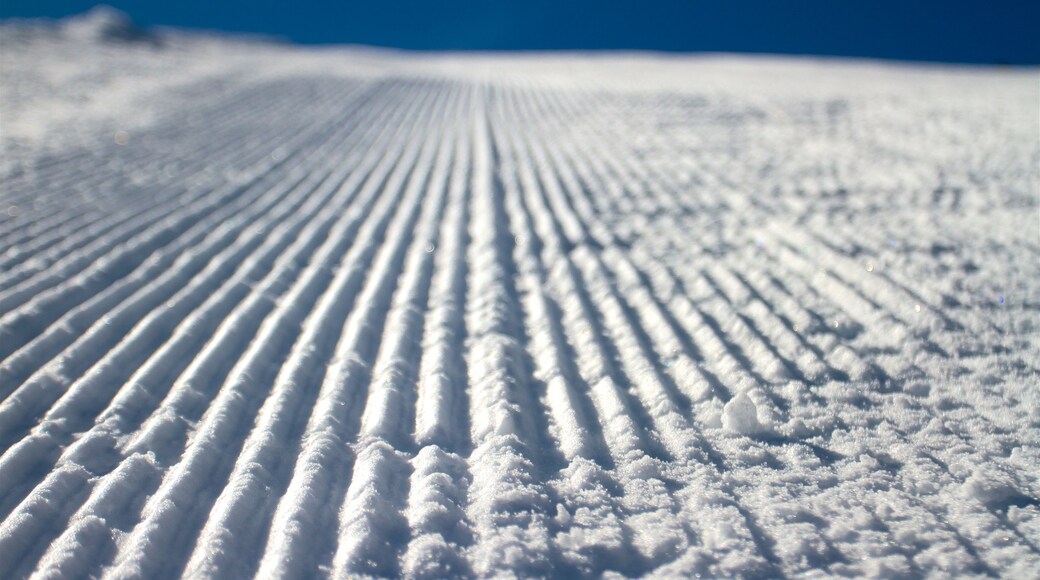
column 288, row 313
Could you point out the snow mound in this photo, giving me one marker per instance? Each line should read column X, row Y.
column 105, row 24
column 740, row 415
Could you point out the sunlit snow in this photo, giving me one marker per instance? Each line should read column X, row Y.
column 283, row 312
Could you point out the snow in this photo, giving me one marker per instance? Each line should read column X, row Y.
column 740, row 415
column 284, row 312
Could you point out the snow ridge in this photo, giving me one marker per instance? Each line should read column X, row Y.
column 471, row 318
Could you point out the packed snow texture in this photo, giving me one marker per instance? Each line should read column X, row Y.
column 275, row 312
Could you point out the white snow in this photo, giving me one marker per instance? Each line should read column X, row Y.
column 283, row 312
column 740, row 415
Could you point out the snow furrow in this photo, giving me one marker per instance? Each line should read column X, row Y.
column 244, row 389
column 342, row 313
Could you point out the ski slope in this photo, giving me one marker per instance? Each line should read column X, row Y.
column 284, row 313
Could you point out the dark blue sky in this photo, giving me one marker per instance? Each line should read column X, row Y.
column 991, row 31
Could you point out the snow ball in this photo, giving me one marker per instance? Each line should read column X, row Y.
column 740, row 415
column 13, row 211
column 430, row 248
column 121, row 137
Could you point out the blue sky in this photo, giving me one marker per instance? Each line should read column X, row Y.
column 994, row 31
